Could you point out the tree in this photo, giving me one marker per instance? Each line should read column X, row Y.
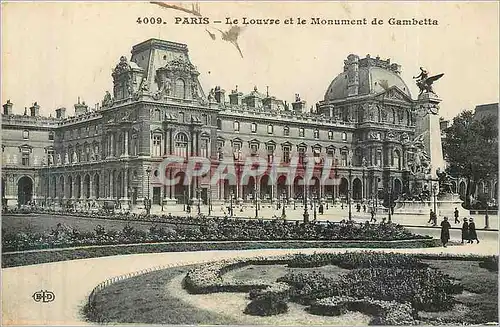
column 470, row 147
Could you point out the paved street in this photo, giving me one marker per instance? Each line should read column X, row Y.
column 72, row 281
column 333, row 213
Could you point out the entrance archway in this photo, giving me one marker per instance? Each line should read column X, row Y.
column 397, row 188
column 298, row 188
column 357, row 188
column 282, row 187
column 265, row 187
column 24, row 190
column 343, row 188
column 96, row 186
column 180, row 190
column 86, row 186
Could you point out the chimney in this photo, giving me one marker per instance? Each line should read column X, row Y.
column 35, row 110
column 7, row 108
column 80, row 108
column 352, row 64
column 235, row 97
column 61, row 113
column 299, row 105
column 220, row 94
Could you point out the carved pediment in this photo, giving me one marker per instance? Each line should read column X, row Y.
column 394, row 93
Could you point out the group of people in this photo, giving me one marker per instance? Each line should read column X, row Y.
column 469, row 233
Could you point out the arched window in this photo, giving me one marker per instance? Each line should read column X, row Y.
column 180, row 89
column 181, row 145
column 156, row 145
column 157, row 116
column 397, row 159
column 219, row 123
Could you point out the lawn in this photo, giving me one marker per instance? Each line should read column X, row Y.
column 45, row 223
column 123, row 303
column 160, row 299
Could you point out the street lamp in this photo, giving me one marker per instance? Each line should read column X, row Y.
column 255, row 199
column 209, row 203
column 198, row 194
column 434, row 191
column 349, row 191
column 231, row 204
column 306, row 215
column 184, row 200
column 314, row 203
column 148, row 201
column 283, row 215
column 390, row 203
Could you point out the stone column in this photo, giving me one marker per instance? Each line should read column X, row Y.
column 91, row 187
column 126, row 144
column 112, row 144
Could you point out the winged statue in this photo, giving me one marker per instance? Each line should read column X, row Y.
column 424, row 82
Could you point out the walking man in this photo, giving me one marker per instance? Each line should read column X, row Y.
column 472, row 232
column 457, row 221
column 445, row 231
column 465, row 231
column 373, row 216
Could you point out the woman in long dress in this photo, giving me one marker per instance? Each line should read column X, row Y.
column 472, row 231
column 465, row 231
column 445, row 231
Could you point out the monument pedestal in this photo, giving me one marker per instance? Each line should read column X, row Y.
column 445, row 207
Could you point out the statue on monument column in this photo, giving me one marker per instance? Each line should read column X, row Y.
column 424, row 82
column 444, row 181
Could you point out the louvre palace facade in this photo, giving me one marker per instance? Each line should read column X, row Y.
column 157, row 108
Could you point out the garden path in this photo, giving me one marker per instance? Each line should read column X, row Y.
column 72, row 281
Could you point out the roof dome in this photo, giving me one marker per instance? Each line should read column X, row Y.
column 365, row 76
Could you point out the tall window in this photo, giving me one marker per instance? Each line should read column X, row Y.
column 51, row 136
column 204, row 148
column 25, row 156
column 344, row 136
column 343, row 160
column 157, row 115
column 270, row 129
column 181, row 145
column 286, row 131
column 302, row 153
column 330, row 135
column 286, row 153
column 204, row 119
column 253, row 128
column 236, row 126
column 156, row 145
column 219, row 123
column 181, row 117
column 180, row 89
column 270, row 152
column 301, row 132
column 50, row 156
column 316, row 134
column 254, row 148
column 26, row 134
column 397, row 159
column 378, row 161
column 330, row 152
column 316, row 152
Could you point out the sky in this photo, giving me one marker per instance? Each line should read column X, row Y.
column 53, row 53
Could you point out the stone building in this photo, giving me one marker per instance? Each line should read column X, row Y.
column 362, row 128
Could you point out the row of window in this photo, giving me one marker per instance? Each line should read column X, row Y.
column 26, row 135
column 286, row 130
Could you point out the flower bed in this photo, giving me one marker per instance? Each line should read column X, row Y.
column 355, row 260
column 203, row 229
column 490, row 263
column 385, row 312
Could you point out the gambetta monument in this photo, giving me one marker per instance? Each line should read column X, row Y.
column 430, row 186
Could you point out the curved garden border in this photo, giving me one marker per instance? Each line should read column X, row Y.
column 22, row 258
column 331, row 306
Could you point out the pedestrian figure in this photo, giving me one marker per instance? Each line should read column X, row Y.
column 342, row 205
column 465, row 231
column 457, row 221
column 358, row 207
column 472, row 231
column 431, row 217
column 364, row 208
column 320, row 209
column 445, row 231
column 373, row 216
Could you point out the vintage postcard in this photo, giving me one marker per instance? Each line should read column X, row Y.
column 249, row 163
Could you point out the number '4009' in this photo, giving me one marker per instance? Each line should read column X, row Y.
column 149, row 20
